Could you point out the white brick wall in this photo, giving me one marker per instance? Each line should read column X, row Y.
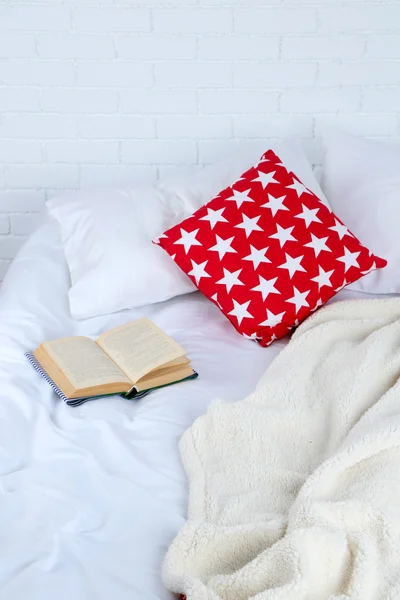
column 107, row 92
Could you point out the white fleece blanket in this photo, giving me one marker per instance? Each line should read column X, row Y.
column 295, row 491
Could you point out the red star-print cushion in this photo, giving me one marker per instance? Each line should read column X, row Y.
column 267, row 251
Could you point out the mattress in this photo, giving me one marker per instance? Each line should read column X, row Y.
column 91, row 497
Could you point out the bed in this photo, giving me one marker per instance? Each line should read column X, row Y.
column 92, row 496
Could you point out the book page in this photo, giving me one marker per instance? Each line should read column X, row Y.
column 163, row 377
column 139, row 347
column 83, row 362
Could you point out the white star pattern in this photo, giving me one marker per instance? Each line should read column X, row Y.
column 230, row 279
column 272, row 319
column 266, row 287
column 265, row 178
column 372, row 268
column 222, row 246
column 309, row 215
column 214, row 217
column 299, row 299
column 298, row 187
column 292, row 264
column 283, row 235
column 215, row 298
column 198, row 270
column 240, row 311
column 338, row 289
column 269, row 254
column 257, row 256
column 319, row 303
column 249, row 225
column 240, row 197
column 275, row 204
column 160, row 237
column 188, row 239
column 273, row 338
column 340, row 229
column 249, row 337
column 349, row 259
column 323, row 278
column 252, row 336
column 318, row 244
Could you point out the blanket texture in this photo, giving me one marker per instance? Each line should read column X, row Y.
column 295, row 491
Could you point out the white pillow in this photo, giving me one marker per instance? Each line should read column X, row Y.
column 361, row 179
column 107, row 235
column 200, row 187
column 107, row 243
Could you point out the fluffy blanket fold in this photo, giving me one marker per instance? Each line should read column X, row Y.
column 295, row 491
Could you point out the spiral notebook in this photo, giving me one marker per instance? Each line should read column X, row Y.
column 77, row 401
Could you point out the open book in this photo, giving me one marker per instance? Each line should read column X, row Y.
column 127, row 359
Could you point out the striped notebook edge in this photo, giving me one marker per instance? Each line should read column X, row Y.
column 71, row 401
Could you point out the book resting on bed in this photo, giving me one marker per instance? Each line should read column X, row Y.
column 131, row 359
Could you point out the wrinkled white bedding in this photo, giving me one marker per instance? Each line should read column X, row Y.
column 91, row 497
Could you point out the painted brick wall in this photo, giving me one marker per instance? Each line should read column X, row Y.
column 106, row 92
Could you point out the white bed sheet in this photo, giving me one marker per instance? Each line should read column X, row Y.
column 90, row 497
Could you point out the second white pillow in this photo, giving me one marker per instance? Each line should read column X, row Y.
column 361, row 179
